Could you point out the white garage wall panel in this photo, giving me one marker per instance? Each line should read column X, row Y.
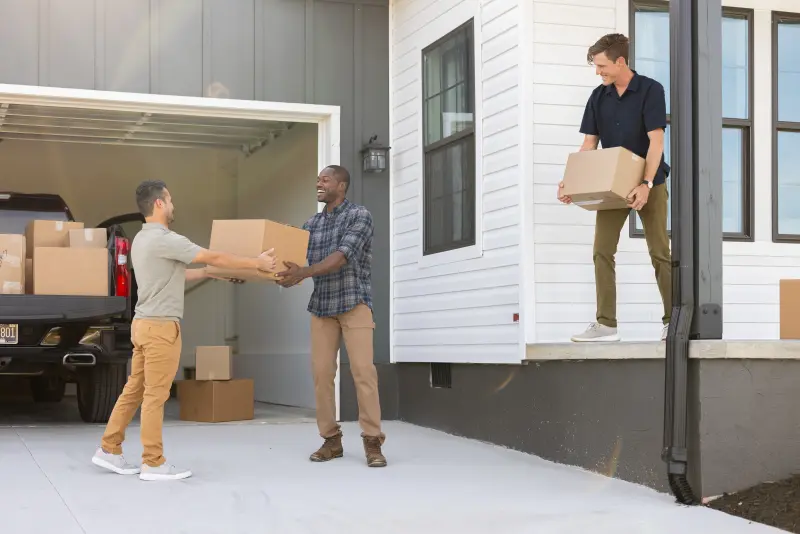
column 273, row 326
column 457, row 311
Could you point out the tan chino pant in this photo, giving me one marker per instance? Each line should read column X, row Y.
column 357, row 328
column 156, row 357
column 606, row 238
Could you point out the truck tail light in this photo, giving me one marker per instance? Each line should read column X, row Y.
column 122, row 275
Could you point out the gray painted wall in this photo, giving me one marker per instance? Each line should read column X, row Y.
column 311, row 51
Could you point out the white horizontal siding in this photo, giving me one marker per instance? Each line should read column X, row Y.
column 461, row 311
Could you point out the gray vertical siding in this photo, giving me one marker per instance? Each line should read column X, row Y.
column 312, row 51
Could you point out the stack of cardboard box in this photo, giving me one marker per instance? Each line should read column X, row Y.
column 214, row 395
column 54, row 258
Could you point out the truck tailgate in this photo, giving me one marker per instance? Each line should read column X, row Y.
column 23, row 308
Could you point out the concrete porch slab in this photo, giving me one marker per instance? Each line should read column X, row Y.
column 256, row 478
column 648, row 350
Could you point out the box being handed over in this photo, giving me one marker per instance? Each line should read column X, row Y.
column 251, row 237
column 602, row 179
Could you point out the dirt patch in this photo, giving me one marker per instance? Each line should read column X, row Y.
column 776, row 504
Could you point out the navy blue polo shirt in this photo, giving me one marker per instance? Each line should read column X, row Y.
column 625, row 120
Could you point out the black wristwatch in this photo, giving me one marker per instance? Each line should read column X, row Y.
column 647, row 183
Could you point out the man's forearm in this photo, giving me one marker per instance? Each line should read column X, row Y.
column 332, row 263
column 193, row 275
column 224, row 260
column 653, row 160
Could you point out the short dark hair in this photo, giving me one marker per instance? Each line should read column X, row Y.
column 147, row 193
column 341, row 174
column 614, row 45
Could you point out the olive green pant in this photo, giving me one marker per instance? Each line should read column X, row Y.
column 606, row 238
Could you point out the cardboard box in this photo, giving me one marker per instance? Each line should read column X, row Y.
column 70, row 271
column 602, row 179
column 87, row 238
column 216, row 401
column 789, row 304
column 251, row 237
column 213, row 363
column 12, row 264
column 48, row 234
column 29, row 276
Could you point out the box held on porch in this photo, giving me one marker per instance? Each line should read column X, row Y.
column 789, row 309
column 602, row 179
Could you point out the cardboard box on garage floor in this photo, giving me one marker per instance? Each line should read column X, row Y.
column 789, row 304
column 216, row 401
column 251, row 237
column 602, row 179
column 87, row 238
column 12, row 264
column 48, row 234
column 70, row 271
column 213, row 363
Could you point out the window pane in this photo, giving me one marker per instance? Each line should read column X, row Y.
column 788, row 72
column 735, row 72
column 433, row 120
column 433, row 72
column 450, row 192
column 788, row 183
column 732, row 180
column 651, row 47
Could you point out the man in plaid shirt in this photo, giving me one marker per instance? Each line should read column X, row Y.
column 339, row 262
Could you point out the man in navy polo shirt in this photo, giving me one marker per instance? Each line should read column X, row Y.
column 627, row 110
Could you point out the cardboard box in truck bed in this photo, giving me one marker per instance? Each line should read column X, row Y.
column 251, row 237
column 87, row 238
column 48, row 234
column 70, row 271
column 602, row 179
column 12, row 264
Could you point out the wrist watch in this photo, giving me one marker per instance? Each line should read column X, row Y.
column 648, row 183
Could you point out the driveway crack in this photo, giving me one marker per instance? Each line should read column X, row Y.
column 50, row 482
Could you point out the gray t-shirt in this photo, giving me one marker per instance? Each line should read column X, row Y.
column 159, row 257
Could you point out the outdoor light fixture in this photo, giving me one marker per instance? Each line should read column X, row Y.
column 375, row 156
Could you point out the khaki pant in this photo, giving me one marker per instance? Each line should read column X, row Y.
column 606, row 238
column 357, row 327
column 156, row 356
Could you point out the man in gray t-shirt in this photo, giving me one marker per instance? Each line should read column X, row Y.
column 160, row 257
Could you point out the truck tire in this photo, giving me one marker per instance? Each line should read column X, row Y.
column 48, row 388
column 98, row 390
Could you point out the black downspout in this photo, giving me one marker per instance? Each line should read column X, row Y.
column 696, row 124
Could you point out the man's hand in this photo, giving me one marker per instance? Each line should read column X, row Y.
column 564, row 199
column 638, row 197
column 292, row 276
column 267, row 261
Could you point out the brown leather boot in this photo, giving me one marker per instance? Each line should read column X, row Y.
column 332, row 448
column 372, row 447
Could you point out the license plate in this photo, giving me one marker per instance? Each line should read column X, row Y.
column 9, row 334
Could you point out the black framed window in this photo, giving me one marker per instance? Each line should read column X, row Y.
column 786, row 130
column 448, row 108
column 649, row 24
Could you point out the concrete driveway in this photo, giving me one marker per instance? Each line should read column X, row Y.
column 255, row 478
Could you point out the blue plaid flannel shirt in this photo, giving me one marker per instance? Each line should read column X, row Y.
column 348, row 229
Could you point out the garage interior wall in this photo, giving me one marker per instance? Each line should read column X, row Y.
column 277, row 183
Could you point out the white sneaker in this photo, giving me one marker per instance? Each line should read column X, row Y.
column 597, row 333
column 164, row 472
column 664, row 332
column 114, row 462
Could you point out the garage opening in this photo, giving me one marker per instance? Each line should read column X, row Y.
column 221, row 159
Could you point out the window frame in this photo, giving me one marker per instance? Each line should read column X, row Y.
column 467, row 136
column 746, row 126
column 779, row 126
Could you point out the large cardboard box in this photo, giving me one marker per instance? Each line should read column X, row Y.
column 216, row 401
column 789, row 309
column 213, row 363
column 251, row 237
column 12, row 264
column 602, row 179
column 70, row 271
column 87, row 238
column 48, row 234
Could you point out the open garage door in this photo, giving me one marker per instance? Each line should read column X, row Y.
column 220, row 159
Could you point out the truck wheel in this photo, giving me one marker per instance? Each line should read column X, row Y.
column 98, row 389
column 48, row 388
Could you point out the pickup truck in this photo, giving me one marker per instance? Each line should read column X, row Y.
column 53, row 340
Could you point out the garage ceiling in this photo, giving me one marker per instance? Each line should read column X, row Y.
column 132, row 128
